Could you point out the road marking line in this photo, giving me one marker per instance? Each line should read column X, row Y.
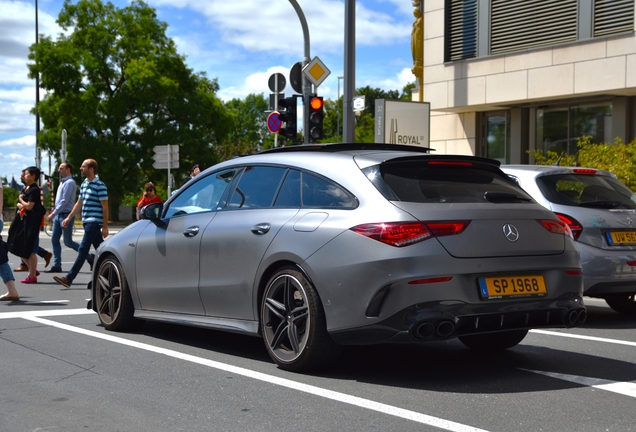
column 624, row 388
column 44, row 313
column 590, row 338
column 306, row 388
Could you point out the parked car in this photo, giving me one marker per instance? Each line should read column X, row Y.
column 601, row 213
column 313, row 247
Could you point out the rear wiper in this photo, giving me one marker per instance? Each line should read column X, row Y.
column 608, row 204
column 504, row 197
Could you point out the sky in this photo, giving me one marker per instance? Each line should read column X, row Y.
column 241, row 43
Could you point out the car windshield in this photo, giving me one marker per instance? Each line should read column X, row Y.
column 423, row 183
column 586, row 191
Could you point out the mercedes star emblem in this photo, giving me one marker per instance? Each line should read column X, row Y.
column 511, row 232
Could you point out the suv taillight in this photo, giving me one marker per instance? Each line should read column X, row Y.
column 573, row 224
column 401, row 234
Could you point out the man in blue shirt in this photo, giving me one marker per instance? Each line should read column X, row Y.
column 64, row 201
column 93, row 201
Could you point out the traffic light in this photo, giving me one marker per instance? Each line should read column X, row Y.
column 288, row 115
column 316, row 117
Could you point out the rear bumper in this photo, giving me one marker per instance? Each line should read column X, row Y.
column 606, row 271
column 441, row 320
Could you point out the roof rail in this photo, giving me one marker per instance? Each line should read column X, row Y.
column 341, row 147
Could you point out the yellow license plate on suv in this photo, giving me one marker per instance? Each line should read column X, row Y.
column 622, row 237
column 512, row 286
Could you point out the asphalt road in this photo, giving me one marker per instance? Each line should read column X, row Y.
column 61, row 371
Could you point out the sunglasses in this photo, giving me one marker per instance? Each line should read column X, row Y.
column 149, row 190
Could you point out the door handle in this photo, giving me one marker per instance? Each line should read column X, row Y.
column 261, row 228
column 191, row 231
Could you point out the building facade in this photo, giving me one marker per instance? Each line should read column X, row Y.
column 507, row 77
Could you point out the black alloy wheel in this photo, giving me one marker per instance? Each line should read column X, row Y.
column 293, row 323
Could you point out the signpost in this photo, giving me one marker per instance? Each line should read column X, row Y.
column 166, row 157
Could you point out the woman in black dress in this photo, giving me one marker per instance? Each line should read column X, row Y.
column 24, row 237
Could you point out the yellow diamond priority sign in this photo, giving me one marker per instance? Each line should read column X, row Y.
column 316, row 71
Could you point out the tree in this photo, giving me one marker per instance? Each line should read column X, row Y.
column 250, row 133
column 119, row 88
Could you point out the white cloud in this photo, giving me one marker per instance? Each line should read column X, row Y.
column 15, row 143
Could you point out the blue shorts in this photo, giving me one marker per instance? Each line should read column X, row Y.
column 6, row 273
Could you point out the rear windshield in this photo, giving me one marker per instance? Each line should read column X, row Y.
column 422, row 183
column 586, row 191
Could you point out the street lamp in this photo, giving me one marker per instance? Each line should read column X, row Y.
column 38, row 154
column 338, row 108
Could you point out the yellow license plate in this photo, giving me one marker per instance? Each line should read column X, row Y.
column 623, row 237
column 511, row 286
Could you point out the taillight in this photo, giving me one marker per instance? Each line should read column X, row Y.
column 557, row 227
column 584, row 171
column 401, row 234
column 573, row 224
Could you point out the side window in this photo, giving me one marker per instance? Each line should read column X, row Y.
column 289, row 194
column 317, row 192
column 257, row 187
column 201, row 196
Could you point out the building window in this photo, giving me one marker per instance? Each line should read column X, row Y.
column 613, row 16
column 461, row 30
column 521, row 24
column 498, row 135
column 481, row 28
column 559, row 128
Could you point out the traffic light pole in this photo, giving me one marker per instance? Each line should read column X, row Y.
column 306, row 83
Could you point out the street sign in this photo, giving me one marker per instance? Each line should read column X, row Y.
column 163, row 149
column 164, row 164
column 316, row 71
column 296, row 77
column 164, row 154
column 358, row 103
column 273, row 122
column 277, row 82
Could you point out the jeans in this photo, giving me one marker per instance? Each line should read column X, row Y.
column 92, row 236
column 58, row 230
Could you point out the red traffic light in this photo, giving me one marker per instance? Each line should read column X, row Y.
column 316, row 103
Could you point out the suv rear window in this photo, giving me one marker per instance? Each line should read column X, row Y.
column 423, row 183
column 586, row 191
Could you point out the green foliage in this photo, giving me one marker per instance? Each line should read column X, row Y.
column 618, row 158
column 250, row 134
column 10, row 197
column 119, row 88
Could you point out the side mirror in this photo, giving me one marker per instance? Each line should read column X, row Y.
column 152, row 212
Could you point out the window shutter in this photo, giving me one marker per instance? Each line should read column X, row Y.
column 522, row 24
column 461, row 29
column 613, row 16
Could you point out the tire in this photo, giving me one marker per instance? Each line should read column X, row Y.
column 494, row 341
column 622, row 303
column 293, row 324
column 114, row 305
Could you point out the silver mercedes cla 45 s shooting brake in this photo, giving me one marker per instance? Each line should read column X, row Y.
column 313, row 247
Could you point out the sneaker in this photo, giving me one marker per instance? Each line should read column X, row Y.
column 54, row 270
column 47, row 259
column 29, row 280
column 21, row 268
column 63, row 281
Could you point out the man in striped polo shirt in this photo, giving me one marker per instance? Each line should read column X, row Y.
column 93, row 201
